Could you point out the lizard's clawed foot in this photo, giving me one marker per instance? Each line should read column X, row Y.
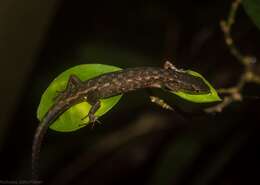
column 58, row 95
column 92, row 119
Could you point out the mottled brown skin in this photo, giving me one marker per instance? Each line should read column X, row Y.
column 112, row 84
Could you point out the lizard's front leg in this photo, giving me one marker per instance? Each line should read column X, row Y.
column 160, row 102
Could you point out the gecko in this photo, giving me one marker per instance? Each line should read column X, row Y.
column 111, row 84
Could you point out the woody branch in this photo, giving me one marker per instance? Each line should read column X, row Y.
column 233, row 94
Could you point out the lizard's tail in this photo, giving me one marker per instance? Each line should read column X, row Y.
column 36, row 146
column 41, row 130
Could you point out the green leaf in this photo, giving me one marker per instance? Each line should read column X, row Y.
column 200, row 98
column 252, row 8
column 71, row 119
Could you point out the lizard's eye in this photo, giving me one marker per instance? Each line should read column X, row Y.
column 194, row 88
column 197, row 90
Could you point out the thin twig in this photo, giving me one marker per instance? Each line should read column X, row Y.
column 233, row 94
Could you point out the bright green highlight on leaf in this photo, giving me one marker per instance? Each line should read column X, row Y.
column 71, row 119
column 200, row 98
column 252, row 8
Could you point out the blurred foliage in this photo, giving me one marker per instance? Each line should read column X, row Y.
column 252, row 8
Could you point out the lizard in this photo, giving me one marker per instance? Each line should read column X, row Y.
column 111, row 84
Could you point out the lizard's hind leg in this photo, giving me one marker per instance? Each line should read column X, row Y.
column 73, row 83
column 92, row 99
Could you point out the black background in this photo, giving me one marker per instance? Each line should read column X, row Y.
column 190, row 148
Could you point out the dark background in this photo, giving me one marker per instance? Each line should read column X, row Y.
column 137, row 142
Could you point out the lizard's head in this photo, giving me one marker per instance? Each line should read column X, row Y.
column 180, row 80
column 187, row 83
